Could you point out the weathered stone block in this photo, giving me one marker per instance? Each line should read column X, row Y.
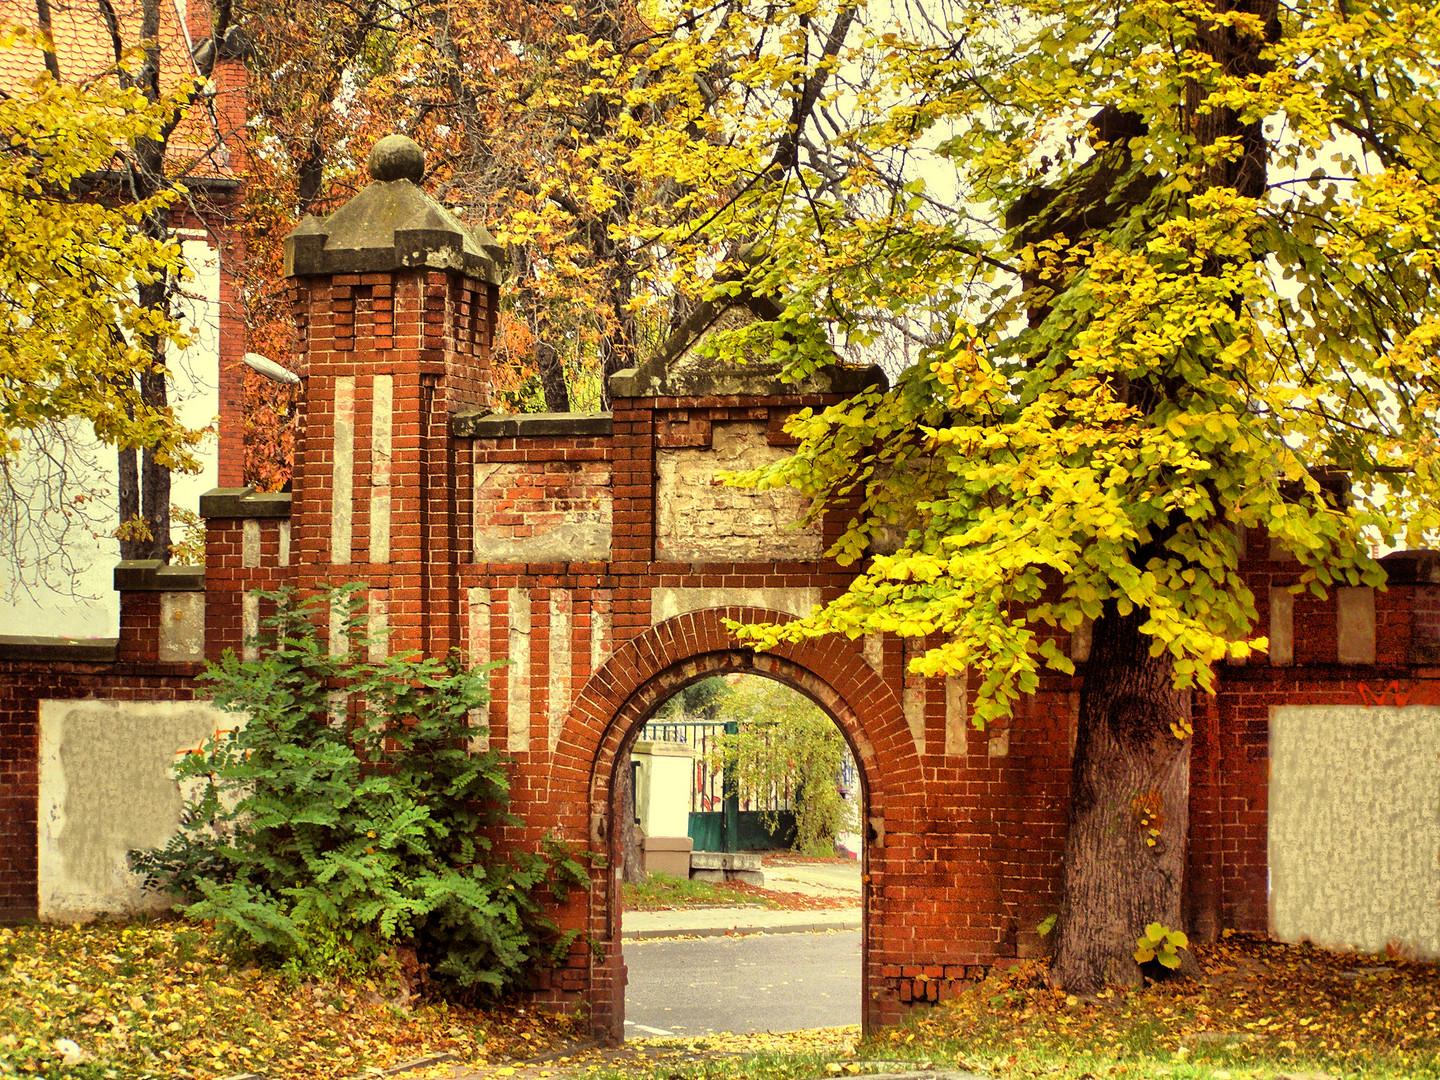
column 701, row 520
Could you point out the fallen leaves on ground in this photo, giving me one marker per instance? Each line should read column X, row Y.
column 150, row 1000
column 782, row 900
column 154, row 999
column 1263, row 1008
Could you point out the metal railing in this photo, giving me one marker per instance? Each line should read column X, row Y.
column 708, row 790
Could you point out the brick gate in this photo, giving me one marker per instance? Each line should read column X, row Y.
column 597, row 555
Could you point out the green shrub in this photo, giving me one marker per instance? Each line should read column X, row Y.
column 332, row 827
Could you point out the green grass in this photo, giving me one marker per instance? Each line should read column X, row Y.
column 664, row 891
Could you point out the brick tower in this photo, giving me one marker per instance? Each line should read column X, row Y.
column 394, row 302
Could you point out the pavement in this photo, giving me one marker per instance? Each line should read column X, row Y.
column 719, row 921
column 745, row 984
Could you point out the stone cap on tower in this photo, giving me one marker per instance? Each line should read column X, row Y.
column 392, row 225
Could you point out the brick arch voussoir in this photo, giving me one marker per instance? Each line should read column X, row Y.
column 651, row 667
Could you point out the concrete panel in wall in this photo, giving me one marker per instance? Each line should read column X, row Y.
column 105, row 788
column 957, row 713
column 518, row 713
column 250, row 543
column 872, row 648
column 601, row 646
column 698, row 520
column 339, row 630
column 250, row 625
column 382, row 428
column 558, row 688
column 912, row 696
column 377, row 625
column 669, row 601
column 478, row 641
column 1355, row 826
column 1282, row 627
column 1355, row 625
column 182, row 627
column 342, row 451
column 552, row 511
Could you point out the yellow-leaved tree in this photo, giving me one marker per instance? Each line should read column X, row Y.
column 75, row 331
column 88, row 282
column 1159, row 272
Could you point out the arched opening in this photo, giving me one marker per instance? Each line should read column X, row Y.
column 648, row 706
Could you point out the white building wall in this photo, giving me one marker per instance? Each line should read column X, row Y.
column 94, row 609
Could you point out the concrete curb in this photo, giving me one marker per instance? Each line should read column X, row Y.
column 740, row 931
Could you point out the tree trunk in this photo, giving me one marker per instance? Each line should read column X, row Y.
column 1129, row 809
column 144, row 481
column 552, row 374
column 128, row 496
column 631, row 835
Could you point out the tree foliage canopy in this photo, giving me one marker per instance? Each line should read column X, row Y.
column 503, row 96
column 1147, row 275
column 1157, row 273
column 1161, row 266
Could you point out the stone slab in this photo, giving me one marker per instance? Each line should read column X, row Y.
column 151, row 575
column 59, row 649
column 480, row 425
column 244, row 502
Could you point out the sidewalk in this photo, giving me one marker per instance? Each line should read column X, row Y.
column 719, row 921
column 784, row 872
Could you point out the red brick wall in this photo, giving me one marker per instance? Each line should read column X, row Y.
column 532, row 494
column 228, row 578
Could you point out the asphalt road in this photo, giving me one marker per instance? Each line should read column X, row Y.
column 761, row 982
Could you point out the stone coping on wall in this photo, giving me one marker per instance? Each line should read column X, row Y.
column 756, row 380
column 59, row 649
column 151, row 575
column 481, row 425
column 244, row 502
column 1416, row 566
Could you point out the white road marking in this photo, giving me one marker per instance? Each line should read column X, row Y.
column 647, row 1029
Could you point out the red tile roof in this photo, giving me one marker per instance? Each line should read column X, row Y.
column 83, row 50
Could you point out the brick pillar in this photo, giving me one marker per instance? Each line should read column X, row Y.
column 395, row 304
column 230, row 106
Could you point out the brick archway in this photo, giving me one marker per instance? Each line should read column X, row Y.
column 616, row 702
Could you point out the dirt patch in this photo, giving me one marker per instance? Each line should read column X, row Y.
column 791, row 901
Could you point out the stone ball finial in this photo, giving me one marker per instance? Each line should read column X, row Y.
column 397, row 157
